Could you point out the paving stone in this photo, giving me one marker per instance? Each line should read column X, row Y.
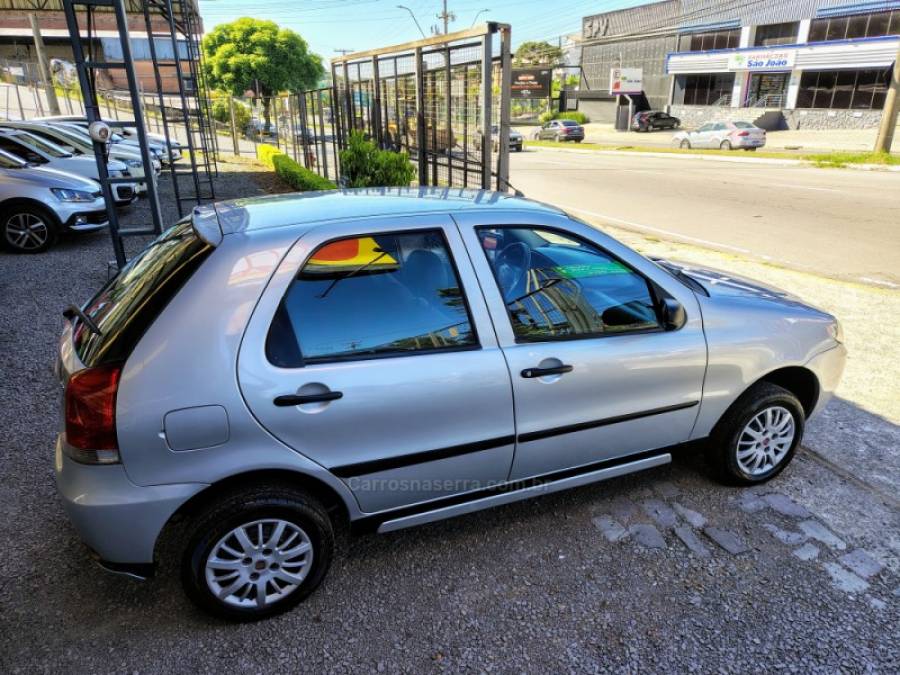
column 807, row 552
column 694, row 518
column 692, row 541
column 815, row 530
column 861, row 563
column 727, row 540
column 786, row 506
column 751, row 503
column 667, row 489
column 610, row 528
column 647, row 536
column 623, row 509
column 845, row 579
column 785, row 536
column 660, row 512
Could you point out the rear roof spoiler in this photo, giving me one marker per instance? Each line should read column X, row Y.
column 205, row 222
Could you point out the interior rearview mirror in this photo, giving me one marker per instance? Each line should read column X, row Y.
column 673, row 314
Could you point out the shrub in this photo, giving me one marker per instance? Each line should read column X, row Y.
column 221, row 113
column 573, row 115
column 298, row 177
column 363, row 164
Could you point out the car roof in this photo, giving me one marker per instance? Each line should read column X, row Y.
column 306, row 208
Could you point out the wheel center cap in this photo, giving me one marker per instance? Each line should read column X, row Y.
column 260, row 565
column 766, row 442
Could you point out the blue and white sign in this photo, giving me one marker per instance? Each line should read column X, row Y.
column 762, row 59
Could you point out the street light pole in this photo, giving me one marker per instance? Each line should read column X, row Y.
column 480, row 12
column 889, row 113
column 413, row 18
column 446, row 17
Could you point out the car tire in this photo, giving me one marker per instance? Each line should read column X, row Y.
column 750, row 149
column 271, row 516
column 765, row 427
column 685, row 145
column 725, row 145
column 27, row 228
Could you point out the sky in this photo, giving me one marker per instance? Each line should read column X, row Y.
column 329, row 25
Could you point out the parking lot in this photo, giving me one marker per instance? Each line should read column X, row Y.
column 663, row 570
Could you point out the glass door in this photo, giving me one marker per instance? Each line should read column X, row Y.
column 767, row 90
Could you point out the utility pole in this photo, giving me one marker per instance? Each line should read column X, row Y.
column 342, row 51
column 889, row 114
column 44, row 66
column 446, row 17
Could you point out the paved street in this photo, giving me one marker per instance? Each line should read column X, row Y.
column 834, row 222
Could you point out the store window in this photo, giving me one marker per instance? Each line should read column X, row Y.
column 705, row 89
column 776, row 34
column 699, row 42
column 856, row 89
column 855, row 26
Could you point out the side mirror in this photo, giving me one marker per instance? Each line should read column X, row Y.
column 673, row 314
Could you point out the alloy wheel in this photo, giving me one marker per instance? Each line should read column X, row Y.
column 26, row 231
column 259, row 563
column 766, row 440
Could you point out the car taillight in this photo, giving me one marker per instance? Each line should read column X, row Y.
column 564, row 130
column 90, row 404
column 743, row 133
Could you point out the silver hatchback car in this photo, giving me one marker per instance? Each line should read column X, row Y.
column 274, row 369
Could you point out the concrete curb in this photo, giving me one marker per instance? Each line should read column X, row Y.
column 724, row 158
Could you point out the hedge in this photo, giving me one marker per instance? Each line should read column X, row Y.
column 573, row 115
column 298, row 177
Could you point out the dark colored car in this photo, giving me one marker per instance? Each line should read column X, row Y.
column 649, row 120
column 561, row 130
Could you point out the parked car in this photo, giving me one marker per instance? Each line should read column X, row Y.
column 649, row 120
column 561, row 130
column 37, row 205
column 125, row 133
column 415, row 358
column 49, row 155
column 77, row 142
column 722, row 135
column 516, row 140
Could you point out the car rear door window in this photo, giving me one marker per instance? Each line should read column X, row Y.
column 371, row 296
column 555, row 286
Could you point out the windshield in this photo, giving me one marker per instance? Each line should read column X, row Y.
column 72, row 136
column 129, row 303
column 46, row 147
column 10, row 161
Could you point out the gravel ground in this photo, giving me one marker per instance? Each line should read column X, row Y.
column 660, row 571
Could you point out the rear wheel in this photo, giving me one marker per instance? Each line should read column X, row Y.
column 758, row 436
column 26, row 228
column 257, row 552
column 750, row 149
column 725, row 145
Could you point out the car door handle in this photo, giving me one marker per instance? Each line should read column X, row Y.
column 541, row 372
column 288, row 400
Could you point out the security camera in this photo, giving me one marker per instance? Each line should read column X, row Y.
column 99, row 131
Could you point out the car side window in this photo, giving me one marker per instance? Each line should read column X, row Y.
column 369, row 296
column 556, row 286
column 704, row 128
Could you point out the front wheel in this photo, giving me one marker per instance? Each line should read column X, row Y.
column 257, row 552
column 685, row 145
column 26, row 229
column 758, row 436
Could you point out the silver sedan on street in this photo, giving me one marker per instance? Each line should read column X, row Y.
column 722, row 135
column 272, row 370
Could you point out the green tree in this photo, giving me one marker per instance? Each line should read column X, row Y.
column 536, row 54
column 258, row 55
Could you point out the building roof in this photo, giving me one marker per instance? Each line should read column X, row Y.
column 257, row 213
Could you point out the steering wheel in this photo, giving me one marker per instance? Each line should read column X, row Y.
column 512, row 264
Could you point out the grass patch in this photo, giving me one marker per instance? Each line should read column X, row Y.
column 823, row 159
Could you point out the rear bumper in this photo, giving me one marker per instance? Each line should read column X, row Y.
column 118, row 520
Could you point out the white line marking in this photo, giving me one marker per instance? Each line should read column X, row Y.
column 879, row 282
column 809, row 187
column 642, row 226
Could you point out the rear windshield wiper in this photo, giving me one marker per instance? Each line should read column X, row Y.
column 74, row 310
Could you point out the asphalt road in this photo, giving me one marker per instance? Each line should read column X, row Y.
column 835, row 222
column 663, row 571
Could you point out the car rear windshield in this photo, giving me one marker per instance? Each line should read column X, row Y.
column 569, row 123
column 744, row 125
column 129, row 303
